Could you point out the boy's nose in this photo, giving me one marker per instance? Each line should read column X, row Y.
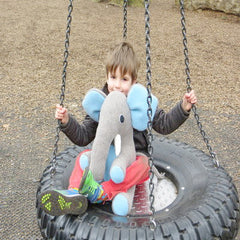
column 117, row 83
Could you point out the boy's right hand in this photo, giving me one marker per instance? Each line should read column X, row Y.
column 61, row 114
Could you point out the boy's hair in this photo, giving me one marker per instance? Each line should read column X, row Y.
column 124, row 57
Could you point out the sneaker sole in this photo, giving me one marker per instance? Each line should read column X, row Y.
column 56, row 204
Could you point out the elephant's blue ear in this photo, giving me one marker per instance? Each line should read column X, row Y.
column 137, row 102
column 92, row 103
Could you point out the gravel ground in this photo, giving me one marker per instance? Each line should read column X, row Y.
column 32, row 45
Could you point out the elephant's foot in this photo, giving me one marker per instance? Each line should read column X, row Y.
column 120, row 205
column 122, row 202
column 84, row 160
column 117, row 174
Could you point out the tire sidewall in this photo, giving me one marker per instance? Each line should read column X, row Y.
column 198, row 183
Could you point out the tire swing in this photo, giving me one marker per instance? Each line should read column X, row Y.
column 205, row 207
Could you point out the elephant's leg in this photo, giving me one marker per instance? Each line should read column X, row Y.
column 118, row 170
column 82, row 161
column 120, row 164
column 122, row 202
column 136, row 173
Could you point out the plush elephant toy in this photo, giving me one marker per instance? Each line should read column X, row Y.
column 116, row 115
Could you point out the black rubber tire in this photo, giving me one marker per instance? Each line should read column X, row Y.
column 206, row 207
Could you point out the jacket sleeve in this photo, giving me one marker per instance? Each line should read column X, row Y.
column 80, row 134
column 166, row 123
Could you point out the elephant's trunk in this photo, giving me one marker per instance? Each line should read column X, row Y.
column 99, row 154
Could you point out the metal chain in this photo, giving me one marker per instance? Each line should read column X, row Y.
column 125, row 3
column 149, row 113
column 62, row 95
column 188, row 81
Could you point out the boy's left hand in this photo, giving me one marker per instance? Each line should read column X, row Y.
column 188, row 100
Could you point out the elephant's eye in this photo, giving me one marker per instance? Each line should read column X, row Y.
column 121, row 118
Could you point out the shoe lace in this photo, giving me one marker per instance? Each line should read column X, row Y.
column 91, row 188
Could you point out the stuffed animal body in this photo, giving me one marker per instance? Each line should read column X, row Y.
column 116, row 115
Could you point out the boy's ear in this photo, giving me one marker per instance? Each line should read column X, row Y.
column 137, row 102
column 92, row 103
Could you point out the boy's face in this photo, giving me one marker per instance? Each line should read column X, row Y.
column 117, row 82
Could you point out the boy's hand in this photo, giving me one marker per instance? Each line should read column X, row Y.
column 61, row 114
column 188, row 100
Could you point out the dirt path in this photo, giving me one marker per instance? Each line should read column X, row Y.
column 32, row 37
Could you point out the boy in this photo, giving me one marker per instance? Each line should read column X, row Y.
column 121, row 67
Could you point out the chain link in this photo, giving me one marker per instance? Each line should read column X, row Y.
column 62, row 95
column 149, row 114
column 188, row 82
column 125, row 3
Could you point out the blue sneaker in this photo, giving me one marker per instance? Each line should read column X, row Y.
column 61, row 202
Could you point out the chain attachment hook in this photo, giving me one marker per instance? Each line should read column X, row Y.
column 153, row 224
